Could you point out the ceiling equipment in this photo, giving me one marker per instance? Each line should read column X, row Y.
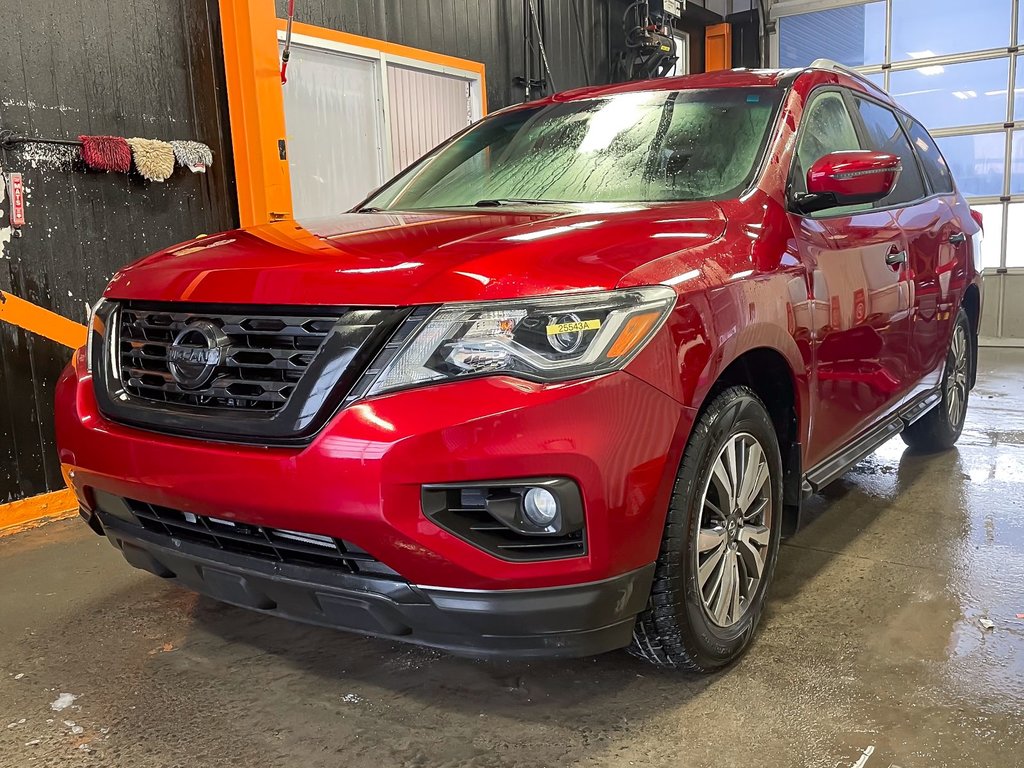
column 649, row 39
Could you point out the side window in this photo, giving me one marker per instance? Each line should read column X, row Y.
column 934, row 163
column 826, row 127
column 886, row 135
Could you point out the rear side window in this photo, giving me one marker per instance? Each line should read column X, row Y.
column 884, row 134
column 825, row 127
column 934, row 163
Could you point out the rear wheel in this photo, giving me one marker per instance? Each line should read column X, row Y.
column 721, row 540
column 940, row 428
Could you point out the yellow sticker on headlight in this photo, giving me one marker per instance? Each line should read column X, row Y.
column 576, row 327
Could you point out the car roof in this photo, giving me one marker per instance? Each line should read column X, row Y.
column 733, row 78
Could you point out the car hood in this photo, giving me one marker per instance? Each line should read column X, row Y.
column 422, row 257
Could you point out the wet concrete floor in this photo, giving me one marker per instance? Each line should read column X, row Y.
column 871, row 653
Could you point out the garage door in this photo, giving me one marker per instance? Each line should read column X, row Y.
column 954, row 66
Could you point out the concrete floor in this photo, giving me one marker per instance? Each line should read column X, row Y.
column 870, row 652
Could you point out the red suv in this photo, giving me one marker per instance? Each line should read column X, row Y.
column 558, row 388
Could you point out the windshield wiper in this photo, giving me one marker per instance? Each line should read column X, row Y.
column 369, row 209
column 499, row 201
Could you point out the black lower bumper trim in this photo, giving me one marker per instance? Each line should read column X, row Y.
column 570, row 621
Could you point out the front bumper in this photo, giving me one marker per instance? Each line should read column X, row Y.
column 360, row 479
column 576, row 620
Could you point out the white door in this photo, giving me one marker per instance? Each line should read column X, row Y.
column 334, row 119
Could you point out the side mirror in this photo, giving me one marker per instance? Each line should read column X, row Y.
column 849, row 178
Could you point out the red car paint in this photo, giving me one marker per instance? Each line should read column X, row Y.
column 859, row 337
column 853, row 174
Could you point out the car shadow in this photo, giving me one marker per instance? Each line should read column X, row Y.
column 836, row 518
column 600, row 693
column 552, row 692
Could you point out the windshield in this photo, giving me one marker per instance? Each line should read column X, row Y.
column 632, row 147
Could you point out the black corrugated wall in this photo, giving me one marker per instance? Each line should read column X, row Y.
column 489, row 31
column 149, row 68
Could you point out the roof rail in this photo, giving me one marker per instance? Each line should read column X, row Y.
column 835, row 66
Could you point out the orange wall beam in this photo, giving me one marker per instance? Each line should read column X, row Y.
column 32, row 512
column 27, row 315
column 28, row 513
column 256, row 106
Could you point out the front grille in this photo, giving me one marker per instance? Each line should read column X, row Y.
column 274, row 544
column 250, row 374
column 266, row 356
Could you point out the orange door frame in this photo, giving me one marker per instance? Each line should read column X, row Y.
column 256, row 104
column 256, row 107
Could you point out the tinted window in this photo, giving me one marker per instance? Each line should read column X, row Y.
column 825, row 127
column 934, row 163
column 885, row 135
column 637, row 146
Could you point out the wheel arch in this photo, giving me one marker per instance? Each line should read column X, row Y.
column 771, row 374
column 971, row 304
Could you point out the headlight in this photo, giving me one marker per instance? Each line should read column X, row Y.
column 548, row 339
column 94, row 328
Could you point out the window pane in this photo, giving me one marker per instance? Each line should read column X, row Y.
column 1015, row 235
column 935, row 167
column 885, row 135
column 853, row 36
column 976, row 161
column 954, row 94
column 878, row 78
column 1018, row 89
column 1017, row 163
column 992, row 241
column 923, row 28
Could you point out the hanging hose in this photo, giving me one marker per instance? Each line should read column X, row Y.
column 286, row 52
column 540, row 43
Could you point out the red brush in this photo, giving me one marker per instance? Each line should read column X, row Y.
column 106, row 153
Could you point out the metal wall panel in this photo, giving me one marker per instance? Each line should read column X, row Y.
column 149, row 68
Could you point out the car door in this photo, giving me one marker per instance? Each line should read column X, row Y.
column 860, row 303
column 938, row 241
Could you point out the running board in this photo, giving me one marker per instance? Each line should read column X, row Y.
column 840, row 462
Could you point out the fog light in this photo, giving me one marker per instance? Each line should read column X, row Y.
column 540, row 506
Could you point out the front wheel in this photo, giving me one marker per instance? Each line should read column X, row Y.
column 940, row 428
column 721, row 540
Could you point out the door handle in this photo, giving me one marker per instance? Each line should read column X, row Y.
column 957, row 238
column 892, row 258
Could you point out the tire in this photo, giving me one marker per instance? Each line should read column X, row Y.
column 687, row 624
column 940, row 428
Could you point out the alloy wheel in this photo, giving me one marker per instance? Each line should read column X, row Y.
column 956, row 377
column 734, row 529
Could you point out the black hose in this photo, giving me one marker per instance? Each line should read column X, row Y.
column 579, row 35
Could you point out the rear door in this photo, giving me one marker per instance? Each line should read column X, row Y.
column 933, row 266
column 860, row 307
column 924, row 222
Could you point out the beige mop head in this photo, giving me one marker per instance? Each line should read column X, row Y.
column 154, row 159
